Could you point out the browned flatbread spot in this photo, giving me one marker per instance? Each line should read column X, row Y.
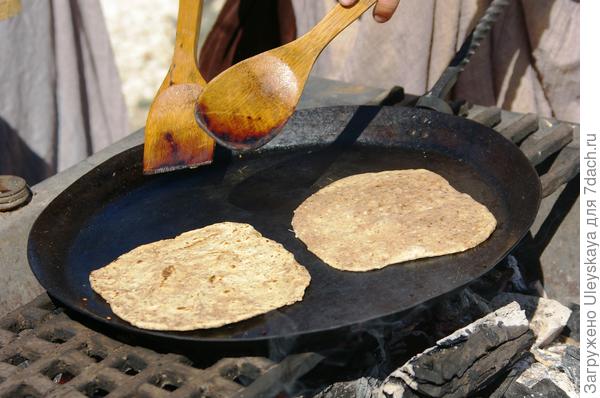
column 189, row 282
column 368, row 221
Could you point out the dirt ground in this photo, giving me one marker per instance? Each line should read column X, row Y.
column 143, row 34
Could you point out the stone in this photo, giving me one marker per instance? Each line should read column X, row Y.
column 547, row 317
column 468, row 359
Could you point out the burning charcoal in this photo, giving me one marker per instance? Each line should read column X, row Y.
column 515, row 372
column 570, row 364
column 468, row 359
column 572, row 329
column 457, row 311
column 547, row 317
column 562, row 358
column 62, row 378
column 495, row 281
column 560, row 362
column 540, row 381
column 517, row 279
column 365, row 387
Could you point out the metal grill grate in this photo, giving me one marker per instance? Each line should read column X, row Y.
column 45, row 353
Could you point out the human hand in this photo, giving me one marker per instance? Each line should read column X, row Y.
column 383, row 11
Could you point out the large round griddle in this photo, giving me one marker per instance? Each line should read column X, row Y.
column 115, row 208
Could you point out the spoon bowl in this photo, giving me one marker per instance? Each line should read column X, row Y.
column 245, row 106
column 265, row 79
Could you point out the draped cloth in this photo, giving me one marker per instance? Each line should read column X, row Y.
column 60, row 92
column 529, row 62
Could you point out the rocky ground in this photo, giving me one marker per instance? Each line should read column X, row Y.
column 142, row 34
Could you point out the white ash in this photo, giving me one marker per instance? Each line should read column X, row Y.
column 547, row 318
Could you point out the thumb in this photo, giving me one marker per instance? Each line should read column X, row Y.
column 384, row 9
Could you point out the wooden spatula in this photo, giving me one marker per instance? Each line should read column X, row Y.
column 247, row 105
column 173, row 139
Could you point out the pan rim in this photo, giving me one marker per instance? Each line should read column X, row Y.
column 63, row 298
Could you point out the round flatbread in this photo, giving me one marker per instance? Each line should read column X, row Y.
column 368, row 221
column 205, row 278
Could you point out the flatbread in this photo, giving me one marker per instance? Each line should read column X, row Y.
column 368, row 221
column 205, row 278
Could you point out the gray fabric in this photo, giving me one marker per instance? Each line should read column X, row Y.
column 60, row 93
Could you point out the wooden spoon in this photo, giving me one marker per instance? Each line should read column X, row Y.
column 173, row 139
column 247, row 105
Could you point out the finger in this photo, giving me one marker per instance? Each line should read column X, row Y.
column 384, row 9
column 347, row 3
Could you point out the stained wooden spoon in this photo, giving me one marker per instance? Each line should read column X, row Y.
column 247, row 105
column 172, row 138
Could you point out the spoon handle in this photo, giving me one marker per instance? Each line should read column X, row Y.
column 334, row 22
column 184, row 65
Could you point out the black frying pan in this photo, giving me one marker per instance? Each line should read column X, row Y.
column 114, row 208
